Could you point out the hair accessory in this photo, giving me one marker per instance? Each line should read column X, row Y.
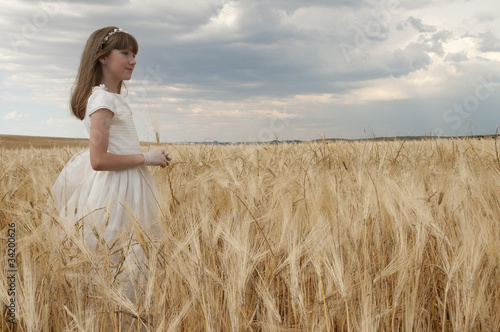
column 103, row 44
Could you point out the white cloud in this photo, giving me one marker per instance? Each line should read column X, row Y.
column 14, row 116
column 57, row 122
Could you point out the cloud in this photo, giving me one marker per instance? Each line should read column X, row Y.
column 56, row 122
column 14, row 116
column 419, row 26
column 413, row 57
column 489, row 42
column 456, row 57
column 487, row 17
column 435, row 42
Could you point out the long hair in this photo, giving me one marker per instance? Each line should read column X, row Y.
column 90, row 72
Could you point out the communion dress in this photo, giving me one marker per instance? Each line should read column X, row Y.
column 110, row 210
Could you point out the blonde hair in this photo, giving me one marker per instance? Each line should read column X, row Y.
column 90, row 72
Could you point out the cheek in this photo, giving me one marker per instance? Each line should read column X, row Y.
column 117, row 64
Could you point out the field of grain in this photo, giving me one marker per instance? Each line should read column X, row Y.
column 323, row 236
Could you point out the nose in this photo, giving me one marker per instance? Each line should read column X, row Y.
column 132, row 61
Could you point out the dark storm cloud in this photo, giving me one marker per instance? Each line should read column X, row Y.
column 228, row 61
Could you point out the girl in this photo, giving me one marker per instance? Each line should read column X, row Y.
column 106, row 190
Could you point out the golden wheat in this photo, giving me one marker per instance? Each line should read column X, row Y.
column 324, row 236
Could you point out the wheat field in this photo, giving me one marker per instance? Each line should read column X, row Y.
column 321, row 236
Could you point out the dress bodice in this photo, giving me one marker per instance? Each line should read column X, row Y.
column 123, row 138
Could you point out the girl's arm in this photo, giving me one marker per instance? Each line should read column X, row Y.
column 100, row 159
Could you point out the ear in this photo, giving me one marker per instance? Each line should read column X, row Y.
column 102, row 61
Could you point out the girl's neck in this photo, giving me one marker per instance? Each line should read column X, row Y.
column 110, row 86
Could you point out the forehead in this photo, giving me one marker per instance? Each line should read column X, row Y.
column 129, row 49
column 125, row 41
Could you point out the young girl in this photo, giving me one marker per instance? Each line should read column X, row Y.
column 106, row 190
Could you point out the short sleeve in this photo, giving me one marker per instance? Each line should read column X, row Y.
column 100, row 98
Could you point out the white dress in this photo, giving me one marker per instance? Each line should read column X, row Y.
column 107, row 203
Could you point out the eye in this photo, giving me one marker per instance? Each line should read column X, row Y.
column 127, row 53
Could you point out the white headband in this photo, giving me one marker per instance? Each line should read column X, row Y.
column 103, row 44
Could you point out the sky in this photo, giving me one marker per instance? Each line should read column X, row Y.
column 246, row 71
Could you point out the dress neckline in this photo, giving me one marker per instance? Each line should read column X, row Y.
column 104, row 88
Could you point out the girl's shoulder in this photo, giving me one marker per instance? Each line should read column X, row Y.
column 102, row 92
column 100, row 98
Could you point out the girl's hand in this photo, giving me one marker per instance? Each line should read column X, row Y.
column 157, row 158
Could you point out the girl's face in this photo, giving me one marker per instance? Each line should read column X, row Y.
column 119, row 65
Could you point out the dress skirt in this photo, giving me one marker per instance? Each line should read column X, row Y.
column 115, row 212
